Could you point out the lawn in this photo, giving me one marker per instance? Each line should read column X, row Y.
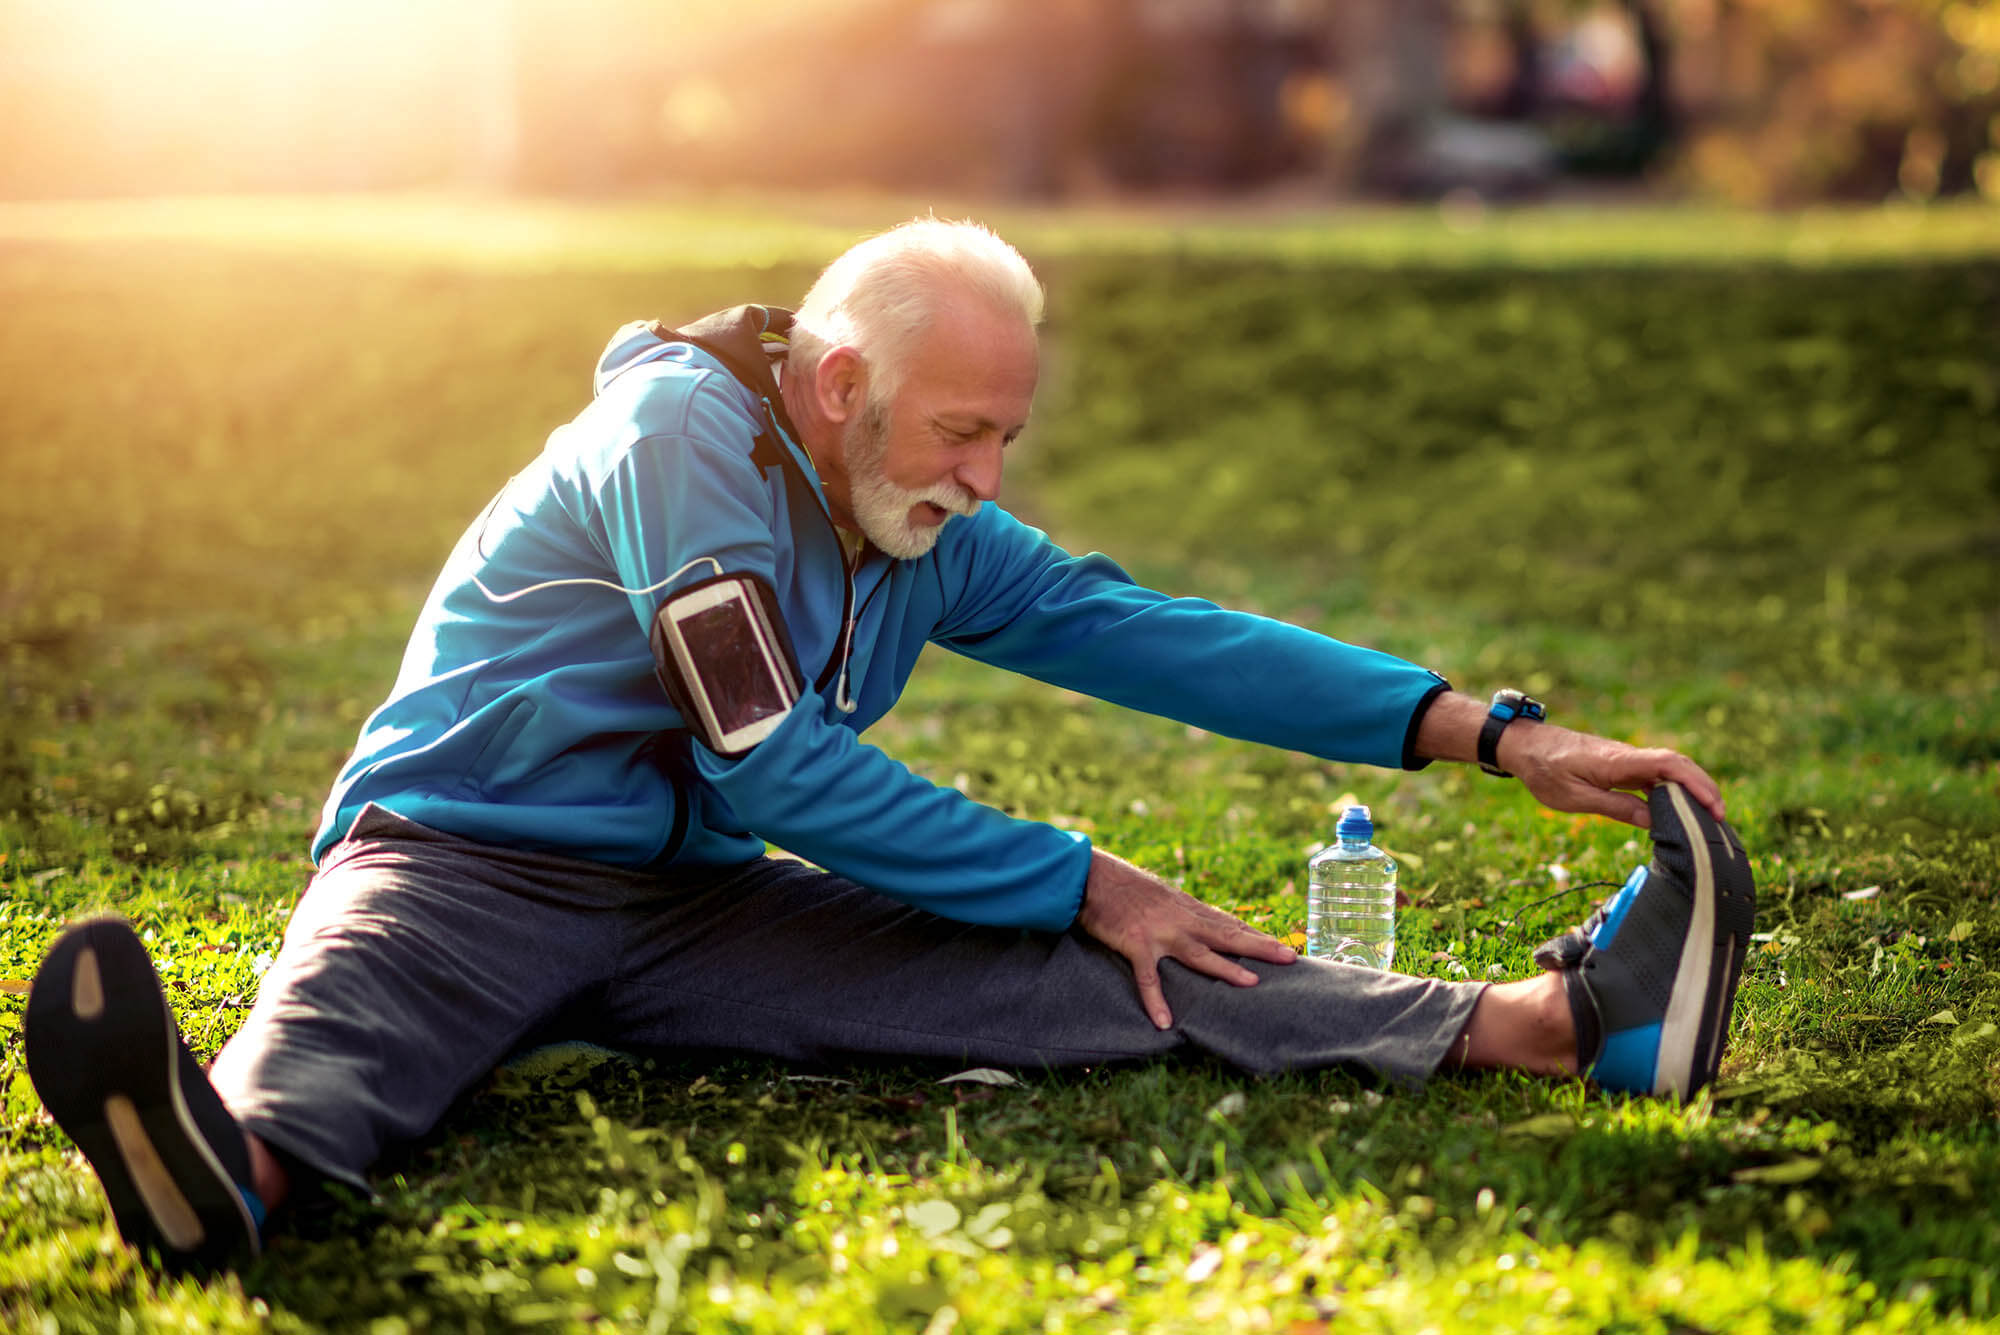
column 1731, row 485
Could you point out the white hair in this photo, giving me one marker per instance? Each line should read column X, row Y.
column 881, row 295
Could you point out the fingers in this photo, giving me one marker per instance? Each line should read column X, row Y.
column 1203, row 954
column 1266, row 948
column 1203, row 960
column 1623, row 806
column 1696, row 780
column 1649, row 768
column 1146, row 976
column 1597, row 775
column 1236, row 937
column 1145, row 920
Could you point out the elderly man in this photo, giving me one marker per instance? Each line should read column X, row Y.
column 657, row 649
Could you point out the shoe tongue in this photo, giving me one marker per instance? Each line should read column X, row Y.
column 1565, row 951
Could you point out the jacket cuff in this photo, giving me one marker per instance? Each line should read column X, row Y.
column 1411, row 760
column 1071, row 904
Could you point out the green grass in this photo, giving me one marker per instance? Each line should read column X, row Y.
column 1747, row 509
column 712, row 231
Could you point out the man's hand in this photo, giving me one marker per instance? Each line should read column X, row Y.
column 1564, row 769
column 1574, row 771
column 1146, row 920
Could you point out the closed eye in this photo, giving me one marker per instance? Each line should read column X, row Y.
column 968, row 435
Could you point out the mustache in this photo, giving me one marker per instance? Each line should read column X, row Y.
column 949, row 497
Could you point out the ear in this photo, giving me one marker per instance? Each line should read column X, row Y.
column 840, row 388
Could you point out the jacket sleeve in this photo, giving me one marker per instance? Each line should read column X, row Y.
column 813, row 787
column 1016, row 600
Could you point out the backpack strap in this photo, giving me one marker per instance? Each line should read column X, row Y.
column 746, row 340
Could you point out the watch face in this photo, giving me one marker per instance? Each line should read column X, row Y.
column 1511, row 704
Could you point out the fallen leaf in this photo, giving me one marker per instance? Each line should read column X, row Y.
column 981, row 1075
column 1547, row 1126
column 1206, row 1262
column 1738, row 1089
column 933, row 1217
column 1784, row 1174
column 1412, row 861
column 15, row 986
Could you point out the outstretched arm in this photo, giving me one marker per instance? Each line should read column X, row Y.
column 1565, row 769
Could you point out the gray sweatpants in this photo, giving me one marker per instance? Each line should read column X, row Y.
column 418, row 961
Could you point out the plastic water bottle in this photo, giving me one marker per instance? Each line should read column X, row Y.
column 1351, row 897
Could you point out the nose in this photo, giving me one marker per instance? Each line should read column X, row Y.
column 979, row 472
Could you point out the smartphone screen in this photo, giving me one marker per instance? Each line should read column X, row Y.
column 736, row 666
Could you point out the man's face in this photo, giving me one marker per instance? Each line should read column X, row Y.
column 934, row 451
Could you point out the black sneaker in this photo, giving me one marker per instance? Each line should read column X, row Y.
column 112, row 1070
column 1652, row 974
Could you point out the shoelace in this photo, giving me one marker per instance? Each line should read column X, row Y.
column 1568, row 949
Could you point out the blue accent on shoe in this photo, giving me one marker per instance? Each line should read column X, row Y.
column 1631, row 1060
column 254, row 1203
column 1620, row 905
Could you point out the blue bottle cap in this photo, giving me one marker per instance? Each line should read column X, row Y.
column 1355, row 825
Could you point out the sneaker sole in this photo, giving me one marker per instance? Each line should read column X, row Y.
column 107, row 1060
column 1695, row 1027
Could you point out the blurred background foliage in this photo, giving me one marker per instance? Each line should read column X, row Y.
column 1748, row 101
column 1792, row 473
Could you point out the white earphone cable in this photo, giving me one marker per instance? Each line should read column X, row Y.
column 600, row 583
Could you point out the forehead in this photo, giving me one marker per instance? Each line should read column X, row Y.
column 975, row 360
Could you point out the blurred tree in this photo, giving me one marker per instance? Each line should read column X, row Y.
column 1758, row 101
column 1494, row 96
column 1628, row 136
column 1389, row 57
column 1754, row 101
column 1797, row 100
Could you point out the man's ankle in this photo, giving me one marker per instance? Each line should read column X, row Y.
column 267, row 1175
column 1524, row 1025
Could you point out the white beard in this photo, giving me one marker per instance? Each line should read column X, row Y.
column 880, row 506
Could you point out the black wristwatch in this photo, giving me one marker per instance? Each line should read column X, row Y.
column 1507, row 706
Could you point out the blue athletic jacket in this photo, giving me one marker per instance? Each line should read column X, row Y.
column 538, row 722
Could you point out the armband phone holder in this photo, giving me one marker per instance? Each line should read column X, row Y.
column 722, row 654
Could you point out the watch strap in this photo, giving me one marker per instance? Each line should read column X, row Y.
column 1507, row 706
column 1489, row 744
